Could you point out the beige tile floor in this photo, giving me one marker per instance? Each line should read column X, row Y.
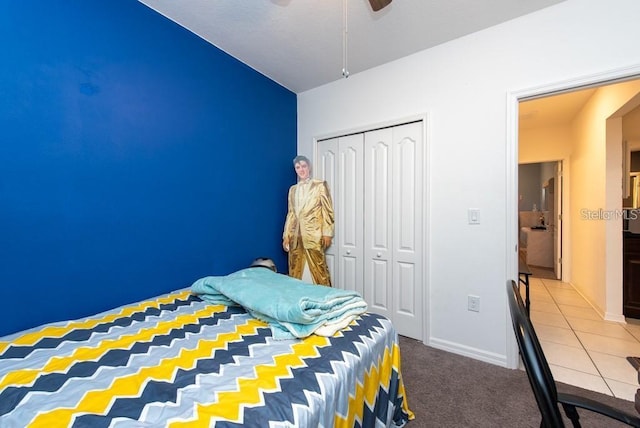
column 581, row 348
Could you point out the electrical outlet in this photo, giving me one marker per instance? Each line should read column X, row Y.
column 473, row 303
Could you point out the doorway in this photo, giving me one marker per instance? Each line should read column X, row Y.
column 547, row 146
column 585, row 129
column 540, row 218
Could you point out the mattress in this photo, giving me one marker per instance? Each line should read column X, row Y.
column 176, row 361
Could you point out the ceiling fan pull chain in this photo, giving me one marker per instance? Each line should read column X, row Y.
column 345, row 70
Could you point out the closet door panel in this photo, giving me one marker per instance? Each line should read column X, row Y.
column 379, row 196
column 405, row 196
column 350, row 212
column 379, row 297
column 327, row 170
column 349, row 192
column 406, row 281
column 407, row 228
column 377, row 222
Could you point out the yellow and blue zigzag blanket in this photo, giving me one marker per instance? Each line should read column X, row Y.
column 177, row 361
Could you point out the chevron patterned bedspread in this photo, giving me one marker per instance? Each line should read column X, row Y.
column 176, row 361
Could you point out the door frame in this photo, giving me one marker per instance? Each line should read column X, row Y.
column 558, row 251
column 513, row 99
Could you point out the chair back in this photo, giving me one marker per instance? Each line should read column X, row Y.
column 535, row 363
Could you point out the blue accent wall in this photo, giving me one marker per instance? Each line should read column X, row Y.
column 134, row 158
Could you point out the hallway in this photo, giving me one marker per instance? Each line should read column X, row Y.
column 581, row 348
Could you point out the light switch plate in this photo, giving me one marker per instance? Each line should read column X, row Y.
column 474, row 215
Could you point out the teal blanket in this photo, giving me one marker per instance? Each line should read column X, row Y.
column 292, row 308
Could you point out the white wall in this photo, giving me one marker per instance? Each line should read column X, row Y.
column 466, row 87
column 544, row 144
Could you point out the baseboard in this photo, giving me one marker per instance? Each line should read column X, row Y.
column 615, row 317
column 607, row 316
column 467, row 351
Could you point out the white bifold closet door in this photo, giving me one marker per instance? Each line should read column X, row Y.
column 376, row 180
column 342, row 161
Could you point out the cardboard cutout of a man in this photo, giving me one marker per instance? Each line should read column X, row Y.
column 308, row 228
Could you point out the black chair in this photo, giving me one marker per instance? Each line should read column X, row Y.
column 541, row 379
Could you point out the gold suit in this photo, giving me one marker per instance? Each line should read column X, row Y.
column 309, row 218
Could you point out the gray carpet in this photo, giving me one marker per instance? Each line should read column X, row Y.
column 449, row 390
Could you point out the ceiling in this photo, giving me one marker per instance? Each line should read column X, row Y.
column 299, row 43
column 560, row 110
column 554, row 110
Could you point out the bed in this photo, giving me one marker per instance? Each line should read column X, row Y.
column 178, row 361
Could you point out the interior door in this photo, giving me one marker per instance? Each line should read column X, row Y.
column 341, row 166
column 407, row 233
column 350, row 213
column 378, row 245
column 393, row 226
column 327, row 169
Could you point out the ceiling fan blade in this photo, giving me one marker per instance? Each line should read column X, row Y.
column 376, row 5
